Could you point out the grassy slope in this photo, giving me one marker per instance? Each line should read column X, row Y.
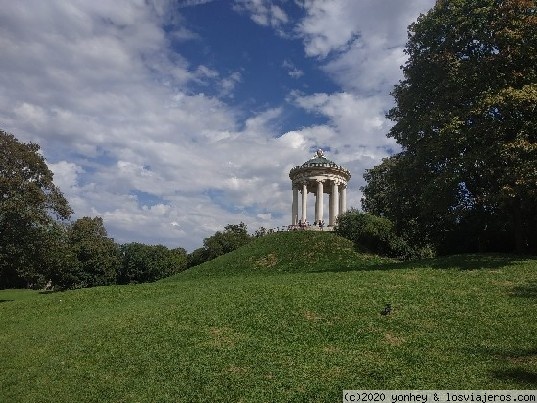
column 286, row 252
column 275, row 322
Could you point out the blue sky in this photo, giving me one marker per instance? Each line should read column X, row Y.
column 173, row 118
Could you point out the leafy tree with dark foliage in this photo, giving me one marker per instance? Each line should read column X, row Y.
column 465, row 116
column 374, row 234
column 97, row 255
column 233, row 237
column 196, row 257
column 38, row 244
column 147, row 263
column 31, row 209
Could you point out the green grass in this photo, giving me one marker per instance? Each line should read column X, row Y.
column 273, row 322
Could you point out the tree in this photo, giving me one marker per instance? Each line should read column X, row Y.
column 196, row 257
column 374, row 234
column 31, row 207
column 146, row 263
column 233, row 237
column 260, row 232
column 96, row 253
column 465, row 118
column 368, row 232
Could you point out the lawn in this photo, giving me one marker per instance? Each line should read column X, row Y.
column 273, row 322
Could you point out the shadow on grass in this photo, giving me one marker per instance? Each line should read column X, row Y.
column 455, row 262
column 517, row 366
column 518, row 375
column 476, row 262
column 6, row 300
column 526, row 291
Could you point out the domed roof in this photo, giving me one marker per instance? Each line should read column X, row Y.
column 319, row 161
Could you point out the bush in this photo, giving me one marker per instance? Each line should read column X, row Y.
column 233, row 237
column 197, row 257
column 147, row 263
column 377, row 235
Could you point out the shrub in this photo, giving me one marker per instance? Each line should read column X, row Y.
column 147, row 263
column 233, row 237
column 377, row 235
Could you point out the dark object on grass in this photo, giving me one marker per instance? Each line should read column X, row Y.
column 387, row 310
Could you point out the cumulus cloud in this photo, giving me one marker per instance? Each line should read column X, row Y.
column 97, row 83
column 147, row 139
column 331, row 25
column 361, row 42
column 358, row 120
column 355, row 132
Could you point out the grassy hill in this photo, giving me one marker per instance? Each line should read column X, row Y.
column 286, row 252
column 289, row 317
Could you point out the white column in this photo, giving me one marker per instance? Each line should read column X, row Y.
column 334, row 203
column 330, row 208
column 294, row 209
column 342, row 198
column 316, row 205
column 304, row 201
column 319, row 202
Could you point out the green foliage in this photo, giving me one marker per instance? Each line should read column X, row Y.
column 30, row 205
column 147, row 263
column 261, row 231
column 465, row 118
column 198, row 256
column 61, row 264
column 97, row 255
column 376, row 235
column 234, row 236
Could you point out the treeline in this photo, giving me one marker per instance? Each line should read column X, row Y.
column 465, row 119
column 39, row 245
column 234, row 236
column 81, row 255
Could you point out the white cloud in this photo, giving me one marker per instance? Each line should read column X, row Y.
column 362, row 41
column 331, row 25
column 66, row 175
column 96, row 85
column 358, row 120
column 293, row 139
column 292, row 70
column 192, row 3
column 99, row 87
column 263, row 12
column 229, row 83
